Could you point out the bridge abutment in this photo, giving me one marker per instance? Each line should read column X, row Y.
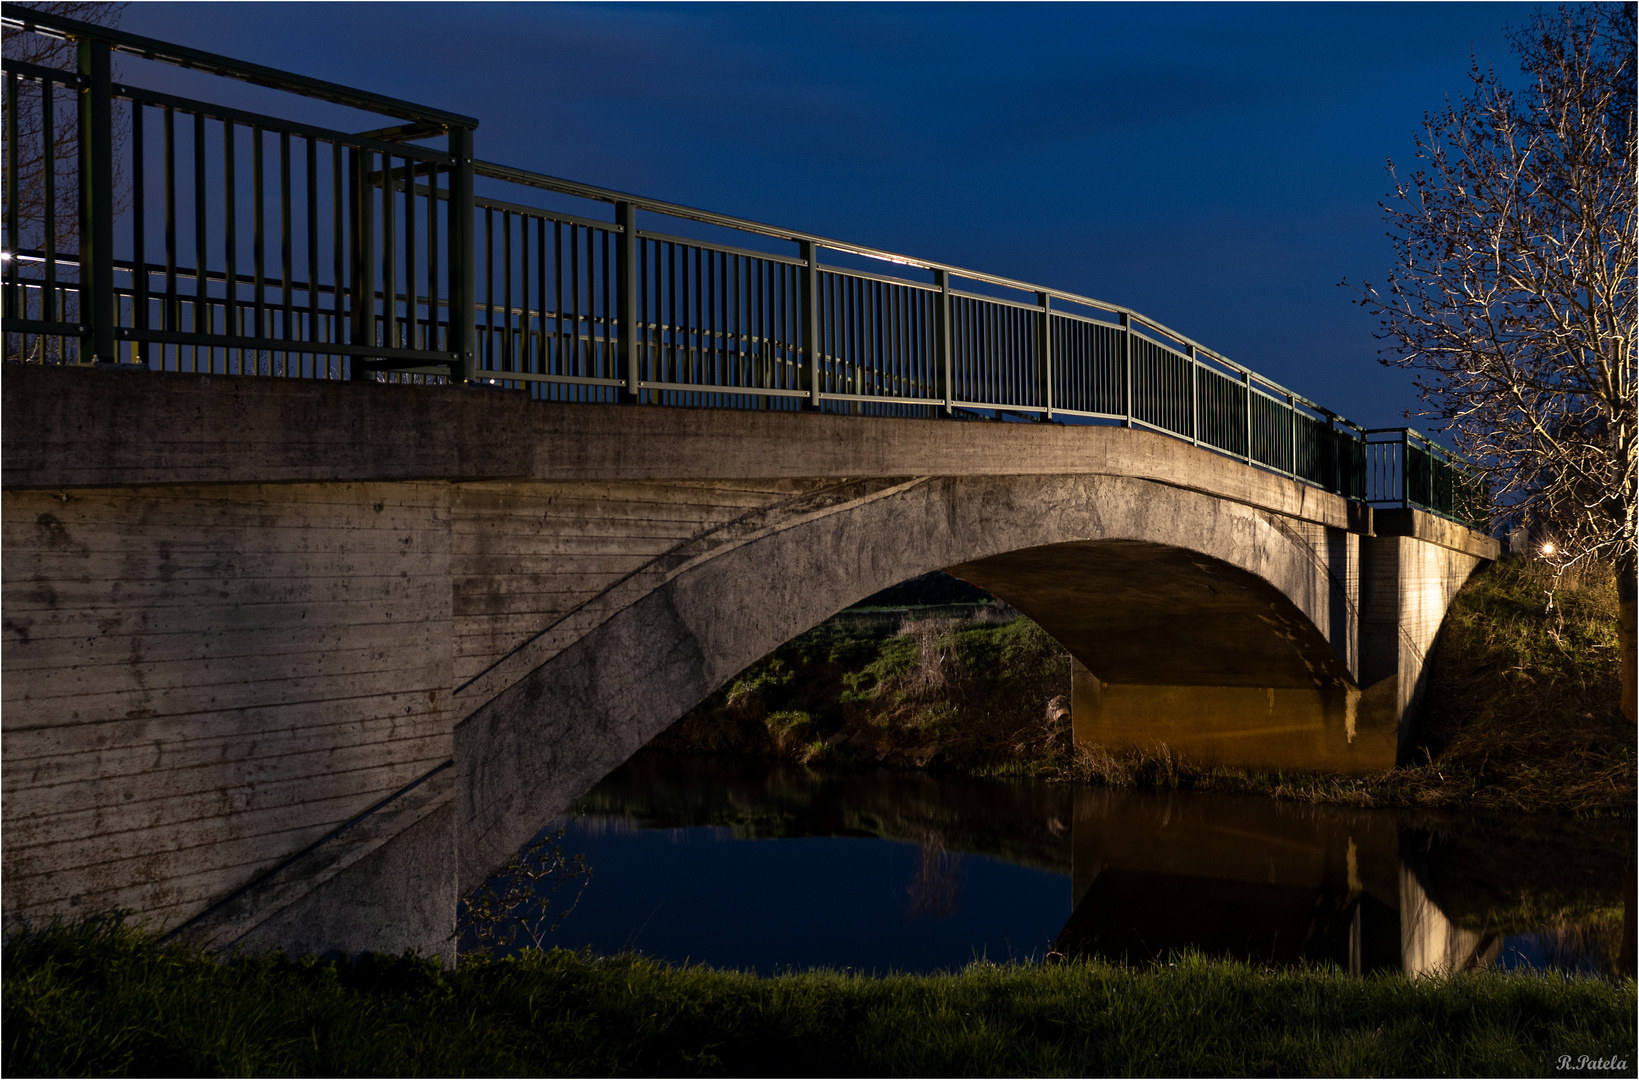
column 1411, row 567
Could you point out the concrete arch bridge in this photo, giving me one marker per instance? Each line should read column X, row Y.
column 326, row 585
column 295, row 662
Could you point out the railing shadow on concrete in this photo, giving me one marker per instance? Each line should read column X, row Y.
column 179, row 234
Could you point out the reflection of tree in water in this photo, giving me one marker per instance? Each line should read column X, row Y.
column 1593, row 947
column 936, row 890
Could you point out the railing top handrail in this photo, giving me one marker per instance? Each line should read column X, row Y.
column 562, row 186
column 20, row 18
column 1409, row 433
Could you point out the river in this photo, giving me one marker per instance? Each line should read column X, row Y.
column 766, row 867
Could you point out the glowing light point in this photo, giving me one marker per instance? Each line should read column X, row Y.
column 1548, row 549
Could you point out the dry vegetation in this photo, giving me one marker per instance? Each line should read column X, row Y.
column 1522, row 708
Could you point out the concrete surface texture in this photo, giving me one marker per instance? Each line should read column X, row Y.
column 297, row 663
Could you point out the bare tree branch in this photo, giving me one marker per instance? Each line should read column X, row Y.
column 1514, row 293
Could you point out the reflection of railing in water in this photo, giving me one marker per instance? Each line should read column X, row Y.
column 256, row 244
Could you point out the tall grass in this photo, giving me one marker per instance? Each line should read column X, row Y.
column 104, row 999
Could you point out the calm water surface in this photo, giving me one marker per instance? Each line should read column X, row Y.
column 758, row 867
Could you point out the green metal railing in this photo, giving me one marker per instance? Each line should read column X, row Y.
column 204, row 237
column 1407, row 469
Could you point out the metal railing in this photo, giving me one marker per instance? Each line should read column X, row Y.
column 210, row 238
column 1407, row 469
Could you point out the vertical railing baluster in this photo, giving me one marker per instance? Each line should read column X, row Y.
column 626, row 298
column 523, row 297
column 808, row 378
column 462, row 285
column 1044, row 355
column 949, row 344
column 389, row 257
column 430, row 341
column 287, row 264
column 201, row 304
column 411, row 292
column 48, row 133
column 486, row 350
column 505, row 357
column 139, row 238
column 338, row 253
column 258, row 230
column 97, row 312
column 362, row 236
column 1405, row 467
column 230, row 246
column 1291, row 436
column 1127, row 368
column 172, row 313
column 1246, row 390
column 1194, row 395
column 312, row 211
column 14, row 303
column 542, row 347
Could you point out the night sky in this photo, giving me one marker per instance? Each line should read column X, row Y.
column 1214, row 166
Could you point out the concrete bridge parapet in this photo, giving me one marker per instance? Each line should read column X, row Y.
column 296, row 663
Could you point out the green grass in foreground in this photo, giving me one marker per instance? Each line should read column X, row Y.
column 103, row 999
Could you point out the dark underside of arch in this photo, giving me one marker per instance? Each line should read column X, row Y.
column 1142, row 613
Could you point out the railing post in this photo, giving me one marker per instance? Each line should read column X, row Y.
column 942, row 340
column 810, row 324
column 98, row 314
column 1246, row 384
column 630, row 355
column 362, row 321
column 1044, row 353
column 1194, row 396
column 1127, row 367
column 1291, row 436
column 1405, row 466
column 463, row 260
column 1334, row 482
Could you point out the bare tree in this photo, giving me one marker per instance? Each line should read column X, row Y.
column 63, row 145
column 1514, row 291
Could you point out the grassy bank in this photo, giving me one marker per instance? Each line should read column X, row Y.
column 1521, row 713
column 919, row 689
column 105, row 1000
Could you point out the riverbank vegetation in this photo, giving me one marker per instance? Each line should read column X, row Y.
column 106, row 999
column 1522, row 709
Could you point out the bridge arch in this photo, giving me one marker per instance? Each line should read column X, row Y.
column 1273, row 598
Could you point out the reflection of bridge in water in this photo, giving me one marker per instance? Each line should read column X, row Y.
column 1368, row 890
column 1152, row 873
column 378, row 530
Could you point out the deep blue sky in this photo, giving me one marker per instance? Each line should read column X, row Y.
column 1215, row 166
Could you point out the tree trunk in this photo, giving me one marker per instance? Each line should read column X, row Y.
column 1627, row 617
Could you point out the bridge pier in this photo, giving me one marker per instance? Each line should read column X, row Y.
column 1408, row 569
column 1411, row 567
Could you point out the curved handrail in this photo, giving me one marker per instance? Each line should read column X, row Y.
column 14, row 17
column 561, row 186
